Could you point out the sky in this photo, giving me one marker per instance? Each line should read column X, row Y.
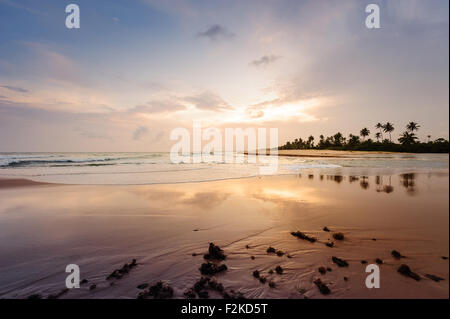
column 136, row 69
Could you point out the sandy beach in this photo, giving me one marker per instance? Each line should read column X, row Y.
column 167, row 228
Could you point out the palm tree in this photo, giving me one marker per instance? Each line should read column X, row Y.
column 407, row 138
column 364, row 132
column 380, row 127
column 388, row 128
column 412, row 126
column 378, row 136
column 311, row 141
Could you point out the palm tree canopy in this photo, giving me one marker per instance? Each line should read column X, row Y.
column 407, row 138
column 365, row 132
column 412, row 126
column 379, row 125
column 388, row 127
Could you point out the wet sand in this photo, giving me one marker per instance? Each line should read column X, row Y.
column 99, row 228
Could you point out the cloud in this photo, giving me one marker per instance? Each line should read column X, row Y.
column 14, row 88
column 265, row 60
column 208, row 101
column 216, row 32
column 154, row 107
column 140, row 132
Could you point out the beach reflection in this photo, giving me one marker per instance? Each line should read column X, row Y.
column 383, row 184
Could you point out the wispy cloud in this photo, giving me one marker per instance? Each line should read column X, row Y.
column 14, row 88
column 163, row 106
column 265, row 60
column 216, row 32
column 140, row 132
column 208, row 101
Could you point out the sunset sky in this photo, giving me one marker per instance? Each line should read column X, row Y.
column 137, row 69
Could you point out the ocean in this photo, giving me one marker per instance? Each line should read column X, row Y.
column 157, row 168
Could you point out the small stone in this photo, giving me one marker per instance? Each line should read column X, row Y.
column 339, row 262
column 271, row 284
column 363, row 262
column 374, row 239
column 214, row 253
column 84, row 281
column 203, row 294
column 329, row 269
column 345, row 279
column 262, row 279
column 252, row 257
column 142, row 286
column 256, row 274
column 322, row 287
column 211, row 269
column 280, row 253
column 322, row 270
column 406, row 271
column 189, row 294
column 247, row 246
column 396, row 254
column 279, row 270
column 434, row 278
column 301, row 235
column 338, row 236
column 271, row 250
column 444, row 257
column 378, row 261
column 326, row 229
column 329, row 244
column 92, row 287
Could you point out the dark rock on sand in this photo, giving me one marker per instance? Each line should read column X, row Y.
column 434, row 278
column 338, row 236
column 279, row 270
column 271, row 284
column 329, row 269
column 262, row 279
column 363, row 262
column 203, row 294
column 211, row 269
column 84, row 281
column 118, row 273
column 280, row 253
column 378, row 261
column 160, row 291
column 345, row 279
column 59, row 294
column 326, row 228
column 374, row 239
column 406, row 271
column 322, row 287
column 142, row 286
column 329, row 244
column 322, row 270
column 444, row 257
column 271, row 250
column 247, row 246
column 214, row 253
column 256, row 274
column 92, row 287
column 189, row 294
column 396, row 254
column 252, row 257
column 339, row 262
column 301, row 235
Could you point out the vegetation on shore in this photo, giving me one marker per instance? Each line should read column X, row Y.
column 407, row 142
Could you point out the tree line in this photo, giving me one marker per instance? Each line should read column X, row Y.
column 407, row 141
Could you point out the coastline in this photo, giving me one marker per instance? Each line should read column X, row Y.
column 102, row 227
